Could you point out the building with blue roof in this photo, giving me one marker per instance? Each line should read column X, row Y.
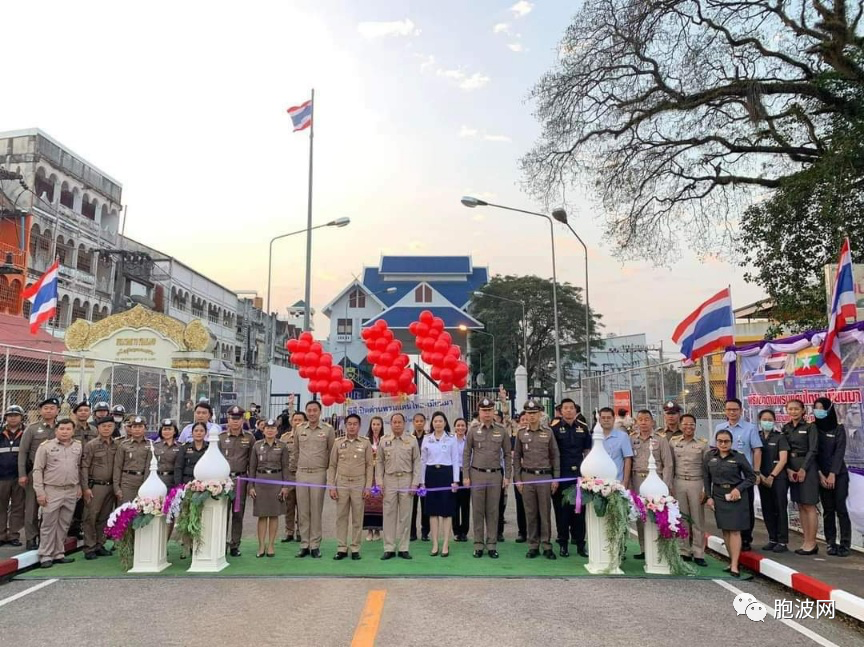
column 397, row 291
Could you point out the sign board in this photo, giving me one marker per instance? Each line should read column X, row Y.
column 622, row 400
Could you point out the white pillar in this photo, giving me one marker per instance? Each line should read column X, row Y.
column 654, row 563
column 208, row 555
column 599, row 557
column 521, row 376
column 151, row 548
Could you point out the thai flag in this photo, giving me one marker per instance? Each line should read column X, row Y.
column 842, row 313
column 42, row 296
column 708, row 328
column 301, row 115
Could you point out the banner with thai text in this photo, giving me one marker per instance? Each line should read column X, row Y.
column 409, row 406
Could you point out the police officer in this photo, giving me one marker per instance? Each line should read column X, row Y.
column 11, row 494
column 132, row 462
column 536, row 458
column 295, row 420
column 57, row 487
column 773, row 482
column 34, row 435
column 167, row 449
column 190, row 454
column 313, row 442
column 645, row 440
column 486, row 465
column 349, row 478
column 118, row 412
column 689, row 453
column 672, row 422
column 574, row 443
column 101, row 410
column 97, row 475
column 398, row 471
column 236, row 445
column 85, row 431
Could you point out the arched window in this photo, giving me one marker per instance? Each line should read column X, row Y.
column 66, row 197
column 44, row 186
column 79, row 311
column 85, row 259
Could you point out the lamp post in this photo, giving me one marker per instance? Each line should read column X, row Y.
column 472, row 202
column 464, row 329
column 478, row 293
column 561, row 216
column 348, row 342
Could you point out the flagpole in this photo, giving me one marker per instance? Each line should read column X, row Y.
column 308, row 307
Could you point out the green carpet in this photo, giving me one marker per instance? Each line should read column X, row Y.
column 460, row 563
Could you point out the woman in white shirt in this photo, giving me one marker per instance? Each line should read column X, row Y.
column 440, row 462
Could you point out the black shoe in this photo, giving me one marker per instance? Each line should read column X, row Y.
column 234, row 552
column 89, row 556
column 832, row 549
column 728, row 569
column 521, row 539
column 316, row 554
column 801, row 551
column 404, row 554
column 259, row 555
column 478, row 553
column 303, row 552
column 780, row 548
column 639, row 556
column 355, row 556
column 532, row 553
column 412, row 538
column 842, row 551
column 14, row 542
column 102, row 552
column 64, row 560
column 501, row 538
column 700, row 561
column 564, row 552
column 745, row 546
column 687, row 558
column 582, row 551
column 548, row 554
column 741, row 576
column 494, row 554
column 769, row 546
column 31, row 545
column 387, row 556
column 287, row 540
column 339, row 556
column 47, row 564
column 425, row 537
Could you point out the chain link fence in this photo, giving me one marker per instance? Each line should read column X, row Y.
column 29, row 376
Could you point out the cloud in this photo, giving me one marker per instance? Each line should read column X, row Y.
column 373, row 30
column 428, row 62
column 521, row 8
column 516, row 47
column 470, row 133
column 501, row 28
column 464, row 81
column 497, row 138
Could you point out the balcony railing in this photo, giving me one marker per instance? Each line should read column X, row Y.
column 18, row 255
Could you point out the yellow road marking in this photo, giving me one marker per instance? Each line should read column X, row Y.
column 370, row 618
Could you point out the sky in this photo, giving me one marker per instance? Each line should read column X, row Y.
column 417, row 103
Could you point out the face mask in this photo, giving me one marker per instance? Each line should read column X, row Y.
column 820, row 413
column 767, row 425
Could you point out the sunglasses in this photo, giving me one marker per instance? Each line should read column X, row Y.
column 724, row 441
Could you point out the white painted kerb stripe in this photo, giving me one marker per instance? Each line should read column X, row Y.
column 21, row 594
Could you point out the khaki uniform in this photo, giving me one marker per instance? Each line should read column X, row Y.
column 397, row 471
column 659, row 446
column 83, row 433
column 166, row 461
column 312, row 447
column 351, row 472
column 689, row 460
column 536, row 458
column 97, row 474
column 291, row 496
column 56, row 477
column 34, row 435
column 11, row 494
column 237, row 450
column 486, row 461
column 268, row 462
column 131, row 467
column 668, row 434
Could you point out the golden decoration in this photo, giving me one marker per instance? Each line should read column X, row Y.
column 77, row 334
column 196, row 337
column 66, row 383
column 180, row 363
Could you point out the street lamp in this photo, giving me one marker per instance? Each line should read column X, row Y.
column 561, row 216
column 478, row 293
column 339, row 222
column 472, row 202
column 464, row 329
column 347, row 303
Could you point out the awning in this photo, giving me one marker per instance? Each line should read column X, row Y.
column 15, row 331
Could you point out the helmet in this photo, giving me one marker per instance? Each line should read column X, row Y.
column 118, row 410
column 14, row 410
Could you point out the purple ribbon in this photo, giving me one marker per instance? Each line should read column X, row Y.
column 578, row 505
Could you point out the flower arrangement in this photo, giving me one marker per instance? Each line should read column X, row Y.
column 171, row 507
column 665, row 512
column 187, row 517
column 126, row 519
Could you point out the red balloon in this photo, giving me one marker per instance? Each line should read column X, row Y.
column 446, row 337
column 312, row 360
column 406, row 377
column 394, row 347
column 386, row 359
column 303, row 345
column 461, row 382
column 297, row 357
column 326, row 359
column 313, row 386
column 422, row 329
column 393, row 372
column 444, row 387
column 411, row 389
column 455, row 351
column 374, row 356
column 381, row 343
column 426, row 356
column 426, row 316
column 291, row 345
column 388, row 335
column 435, row 373
column 438, row 323
column 446, row 375
column 335, row 387
column 460, row 371
column 340, row 399
column 316, row 348
column 434, row 332
column 306, row 336
column 437, row 359
column 402, row 360
column 302, row 372
column 441, row 346
column 347, row 386
column 336, row 373
column 328, row 400
column 450, row 362
column 425, row 343
column 412, row 327
column 322, row 372
column 389, row 386
column 381, row 324
column 379, row 371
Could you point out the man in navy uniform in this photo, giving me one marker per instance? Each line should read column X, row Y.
column 574, row 443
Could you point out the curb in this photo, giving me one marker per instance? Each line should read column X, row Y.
column 30, row 558
column 851, row 605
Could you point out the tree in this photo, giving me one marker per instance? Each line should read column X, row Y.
column 503, row 319
column 669, row 109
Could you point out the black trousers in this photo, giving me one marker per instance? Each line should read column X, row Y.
column 75, row 527
column 520, row 513
column 834, row 503
column 424, row 518
column 747, row 535
column 502, row 506
column 775, row 510
column 570, row 526
column 462, row 514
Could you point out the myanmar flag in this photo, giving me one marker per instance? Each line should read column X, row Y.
column 807, row 362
